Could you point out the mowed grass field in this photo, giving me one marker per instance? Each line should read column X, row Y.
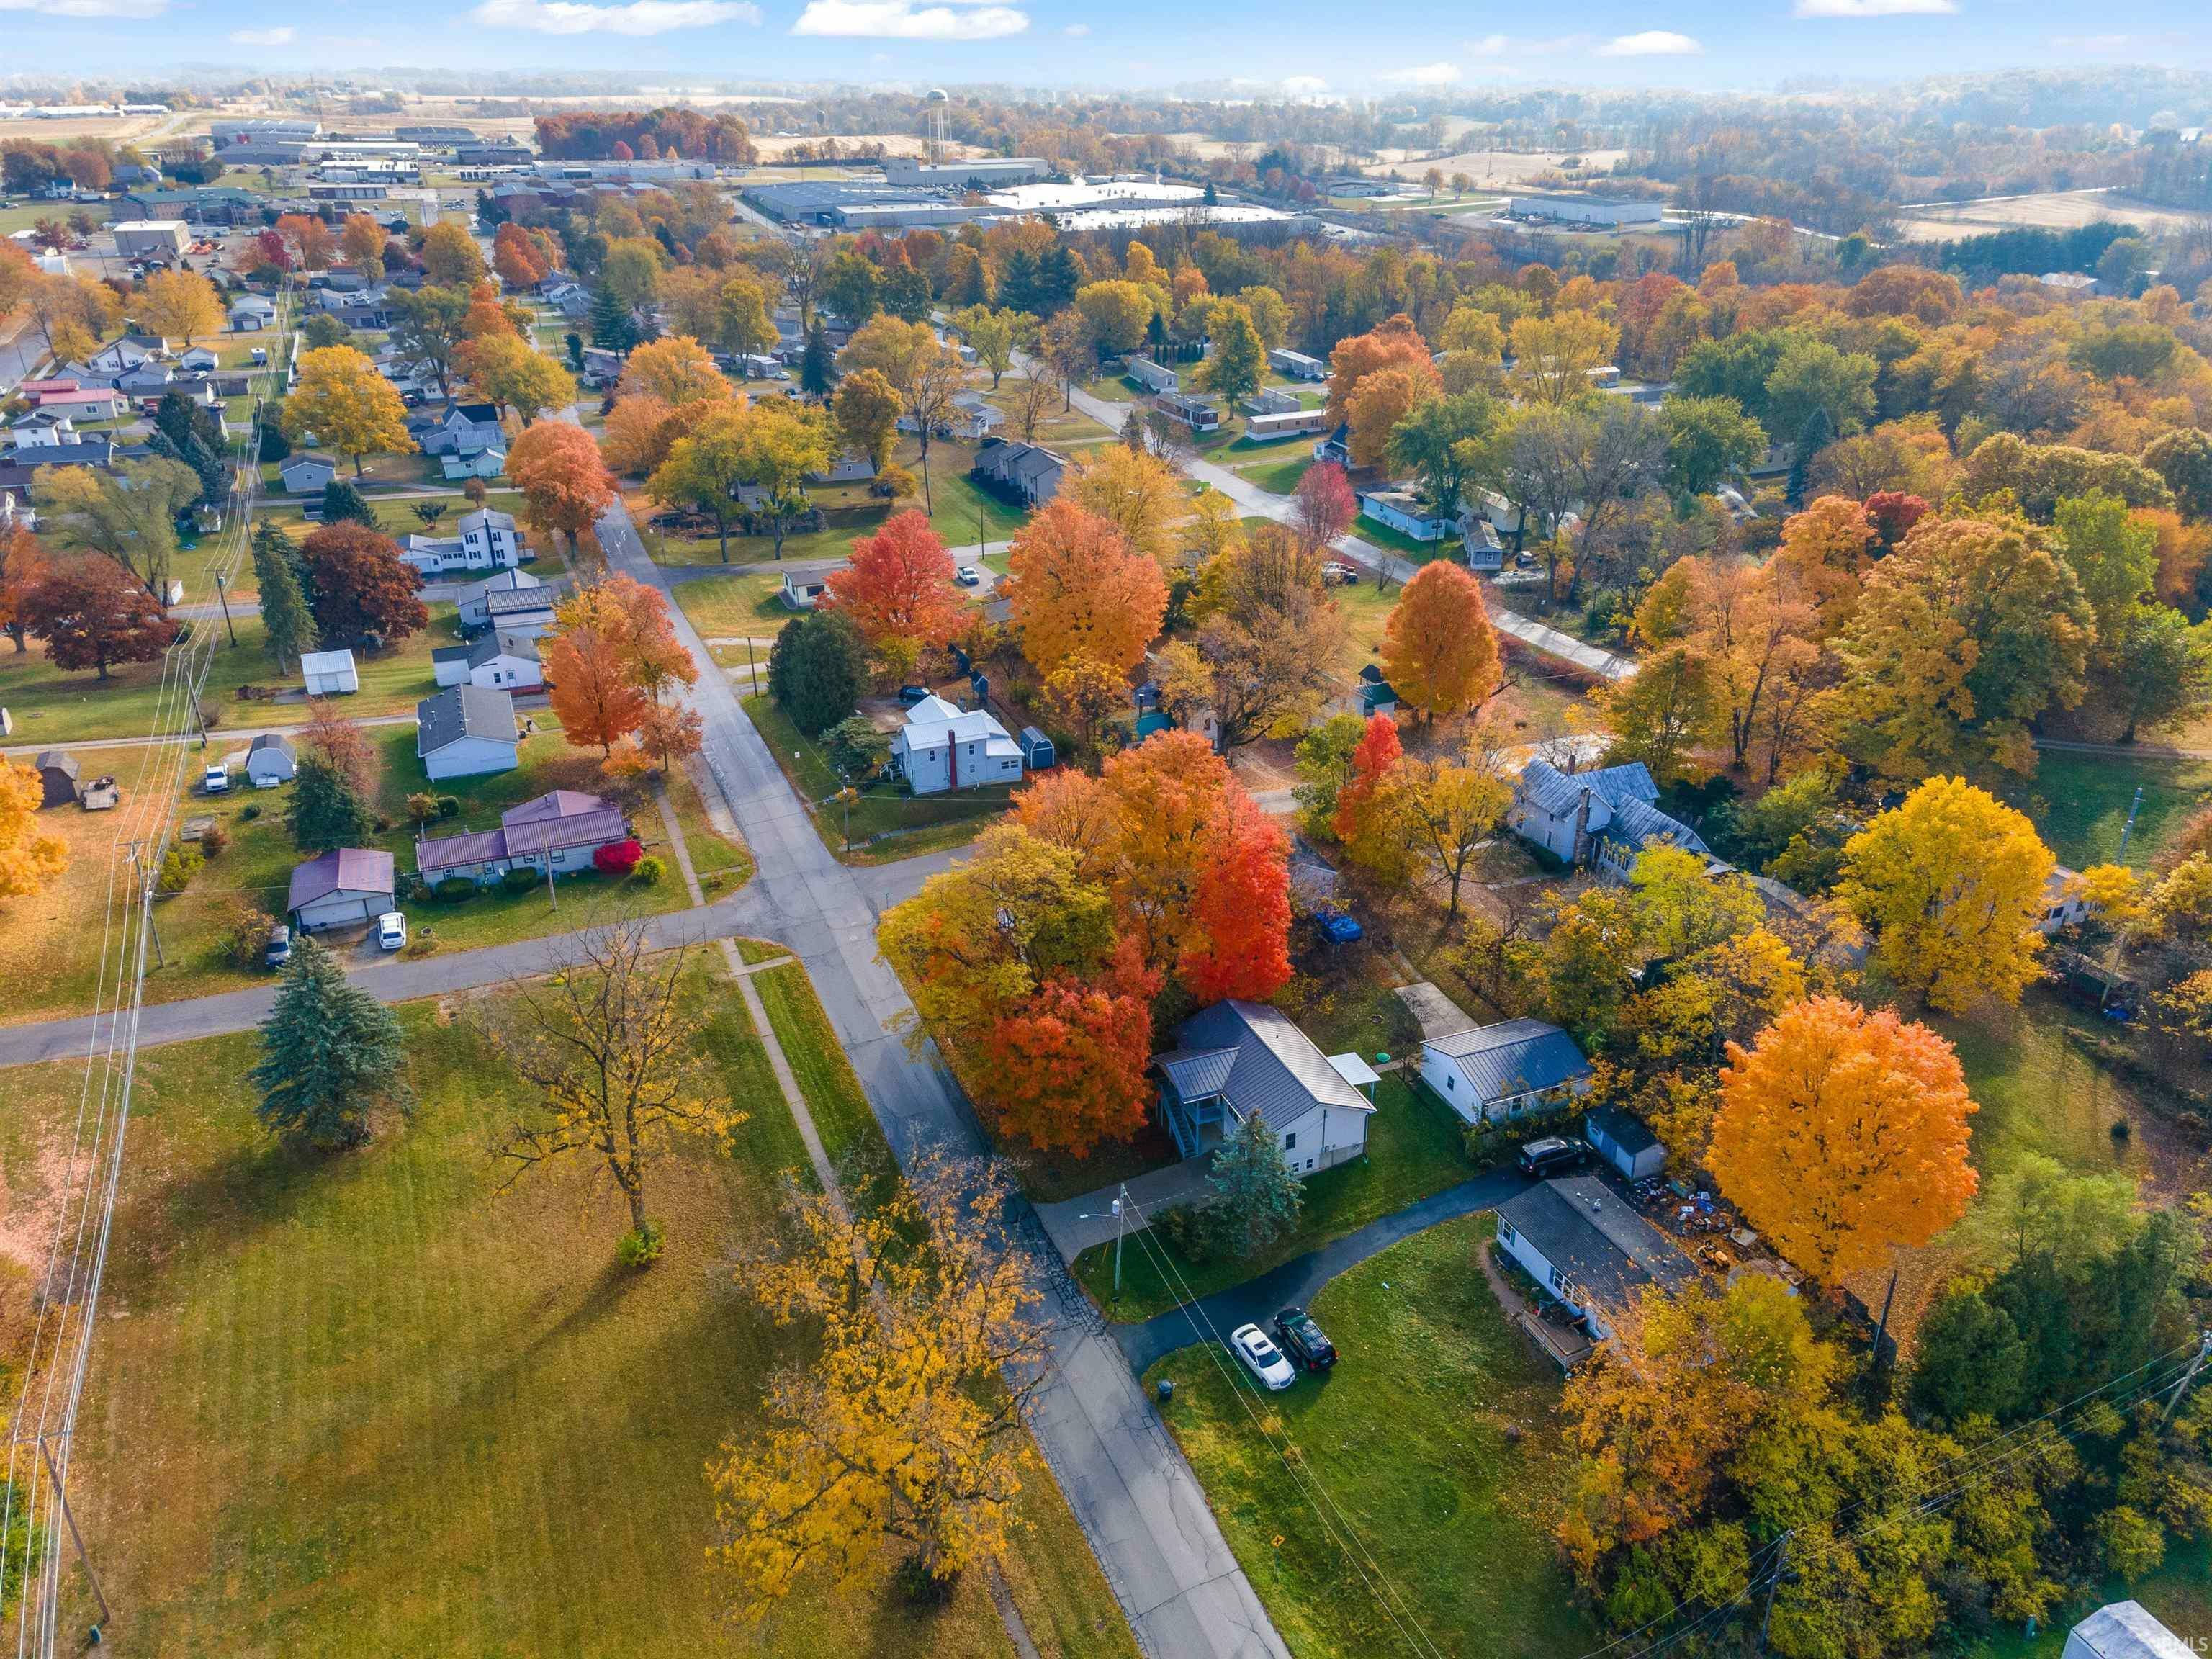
column 2080, row 803
column 1436, row 1441
column 364, row 1403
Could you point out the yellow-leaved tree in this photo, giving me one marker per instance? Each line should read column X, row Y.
column 179, row 304
column 340, row 402
column 905, row 1424
column 1952, row 883
column 1842, row 1134
column 28, row 859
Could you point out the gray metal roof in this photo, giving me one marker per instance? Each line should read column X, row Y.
column 464, row 711
column 500, row 643
column 276, row 741
column 1638, row 823
column 1558, row 793
column 1277, row 1073
column 2128, row 1630
column 1585, row 1229
column 1623, row 1129
column 1514, row 1057
column 1196, row 1074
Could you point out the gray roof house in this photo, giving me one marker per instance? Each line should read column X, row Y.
column 1603, row 818
column 1504, row 1071
column 475, row 607
column 1582, row 1242
column 57, row 777
column 305, row 473
column 1027, row 472
column 350, row 885
column 457, row 429
column 1622, row 1139
column 1238, row 1059
column 465, row 731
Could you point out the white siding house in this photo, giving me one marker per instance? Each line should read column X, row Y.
column 1504, row 1071
column 484, row 540
column 329, row 673
column 1583, row 1243
column 1238, row 1059
column 350, row 886
column 270, row 762
column 466, row 731
column 941, row 748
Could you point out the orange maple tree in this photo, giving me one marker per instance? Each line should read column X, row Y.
column 1842, row 1134
column 1076, row 589
column 564, row 482
column 1439, row 650
column 899, row 585
column 1372, row 758
column 1067, row 1069
column 1242, row 911
column 587, row 671
column 1394, row 343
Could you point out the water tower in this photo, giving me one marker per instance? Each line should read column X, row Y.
column 936, row 139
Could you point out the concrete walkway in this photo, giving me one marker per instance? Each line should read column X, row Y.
column 1154, row 1191
column 1297, row 1282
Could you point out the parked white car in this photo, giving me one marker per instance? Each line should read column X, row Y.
column 968, row 576
column 1261, row 1358
column 390, row 931
column 216, row 780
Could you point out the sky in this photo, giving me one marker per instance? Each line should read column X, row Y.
column 1297, row 45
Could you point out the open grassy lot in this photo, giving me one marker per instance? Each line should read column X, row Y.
column 722, row 865
column 740, row 606
column 51, row 707
column 883, row 823
column 1413, row 1149
column 2080, row 802
column 1274, row 467
column 1435, row 1439
column 364, row 1403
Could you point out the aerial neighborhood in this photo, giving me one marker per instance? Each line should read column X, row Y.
column 1319, row 867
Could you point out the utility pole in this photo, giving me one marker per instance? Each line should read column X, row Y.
column 1881, row 1329
column 222, row 599
column 2127, row 828
column 83, row 1560
column 146, row 899
column 2173, row 1400
column 551, row 891
column 1120, row 1231
column 1781, row 1564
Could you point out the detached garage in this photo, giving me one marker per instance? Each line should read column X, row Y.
column 347, row 887
column 1623, row 1141
column 329, row 673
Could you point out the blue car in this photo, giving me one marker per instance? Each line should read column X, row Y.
column 911, row 695
column 1340, row 929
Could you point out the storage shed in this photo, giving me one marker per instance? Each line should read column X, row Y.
column 270, row 762
column 1621, row 1140
column 1036, row 750
column 329, row 673
column 57, row 776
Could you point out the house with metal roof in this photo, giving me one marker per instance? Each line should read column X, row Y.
column 1238, row 1059
column 476, row 602
column 1603, row 818
column 941, row 747
column 465, row 731
column 1583, row 1243
column 1624, row 1141
column 1028, row 473
column 341, row 888
column 559, row 831
column 499, row 661
column 1504, row 1071
column 2124, row 1630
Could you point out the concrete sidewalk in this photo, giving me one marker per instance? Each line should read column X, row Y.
column 1154, row 1191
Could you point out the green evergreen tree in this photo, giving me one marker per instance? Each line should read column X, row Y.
column 288, row 625
column 817, row 372
column 326, row 812
column 342, row 501
column 612, row 325
column 817, row 669
column 1815, row 436
column 575, row 343
column 328, row 1053
column 1256, row 1199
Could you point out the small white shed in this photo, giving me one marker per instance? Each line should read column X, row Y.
column 329, row 673
column 1622, row 1140
column 270, row 762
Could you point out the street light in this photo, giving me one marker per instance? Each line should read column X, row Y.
column 1119, row 1216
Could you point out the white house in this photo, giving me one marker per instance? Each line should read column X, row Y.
column 1603, row 818
column 560, row 830
column 342, row 888
column 1405, row 512
column 505, row 661
column 1504, row 1071
column 252, row 313
column 269, row 761
column 1622, row 1139
column 941, row 748
column 1297, row 365
column 329, row 673
column 306, row 474
column 2124, row 1630
column 1238, row 1059
column 802, row 592
column 2064, row 904
column 475, row 602
column 466, row 731
column 484, row 540
column 1581, row 1241
column 1153, row 377
column 484, row 464
column 457, row 429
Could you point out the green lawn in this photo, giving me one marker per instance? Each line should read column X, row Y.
column 736, row 606
column 2080, row 802
column 1436, row 1442
column 842, row 1117
column 722, row 865
column 1413, row 1149
column 883, row 824
column 364, row 1403
column 1381, row 535
column 1276, row 467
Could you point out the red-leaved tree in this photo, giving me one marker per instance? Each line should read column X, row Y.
column 899, row 585
column 1324, row 506
column 1067, row 1069
column 93, row 613
column 359, row 586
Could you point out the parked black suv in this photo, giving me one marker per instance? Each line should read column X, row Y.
column 1552, row 1155
column 1301, row 1340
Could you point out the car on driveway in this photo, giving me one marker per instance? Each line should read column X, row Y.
column 1340, row 928
column 216, row 780
column 1261, row 1358
column 968, row 576
column 278, row 951
column 1302, row 1341
column 390, row 931
column 1336, row 572
column 1551, row 1155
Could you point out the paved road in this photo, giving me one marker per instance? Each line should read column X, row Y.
column 1297, row 1282
column 1252, row 500
column 1139, row 1504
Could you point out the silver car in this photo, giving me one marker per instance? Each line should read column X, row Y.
column 1261, row 1358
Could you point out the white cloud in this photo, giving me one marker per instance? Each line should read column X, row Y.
column 1422, row 74
column 1651, row 43
column 636, row 17
column 1491, row 46
column 1078, row 30
column 902, row 20
column 275, row 37
column 1876, row 8
column 1303, row 84
column 135, row 8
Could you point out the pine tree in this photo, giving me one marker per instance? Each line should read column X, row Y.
column 1817, row 432
column 1256, row 1199
column 287, row 626
column 817, row 374
column 817, row 669
column 340, row 501
column 574, row 342
column 328, row 1052
column 327, row 811
column 612, row 325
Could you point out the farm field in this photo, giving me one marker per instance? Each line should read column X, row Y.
column 2056, row 210
column 399, row 1411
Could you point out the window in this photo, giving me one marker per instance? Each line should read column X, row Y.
column 1291, row 1141
column 1451, row 1082
column 1558, row 1282
column 1506, row 1233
